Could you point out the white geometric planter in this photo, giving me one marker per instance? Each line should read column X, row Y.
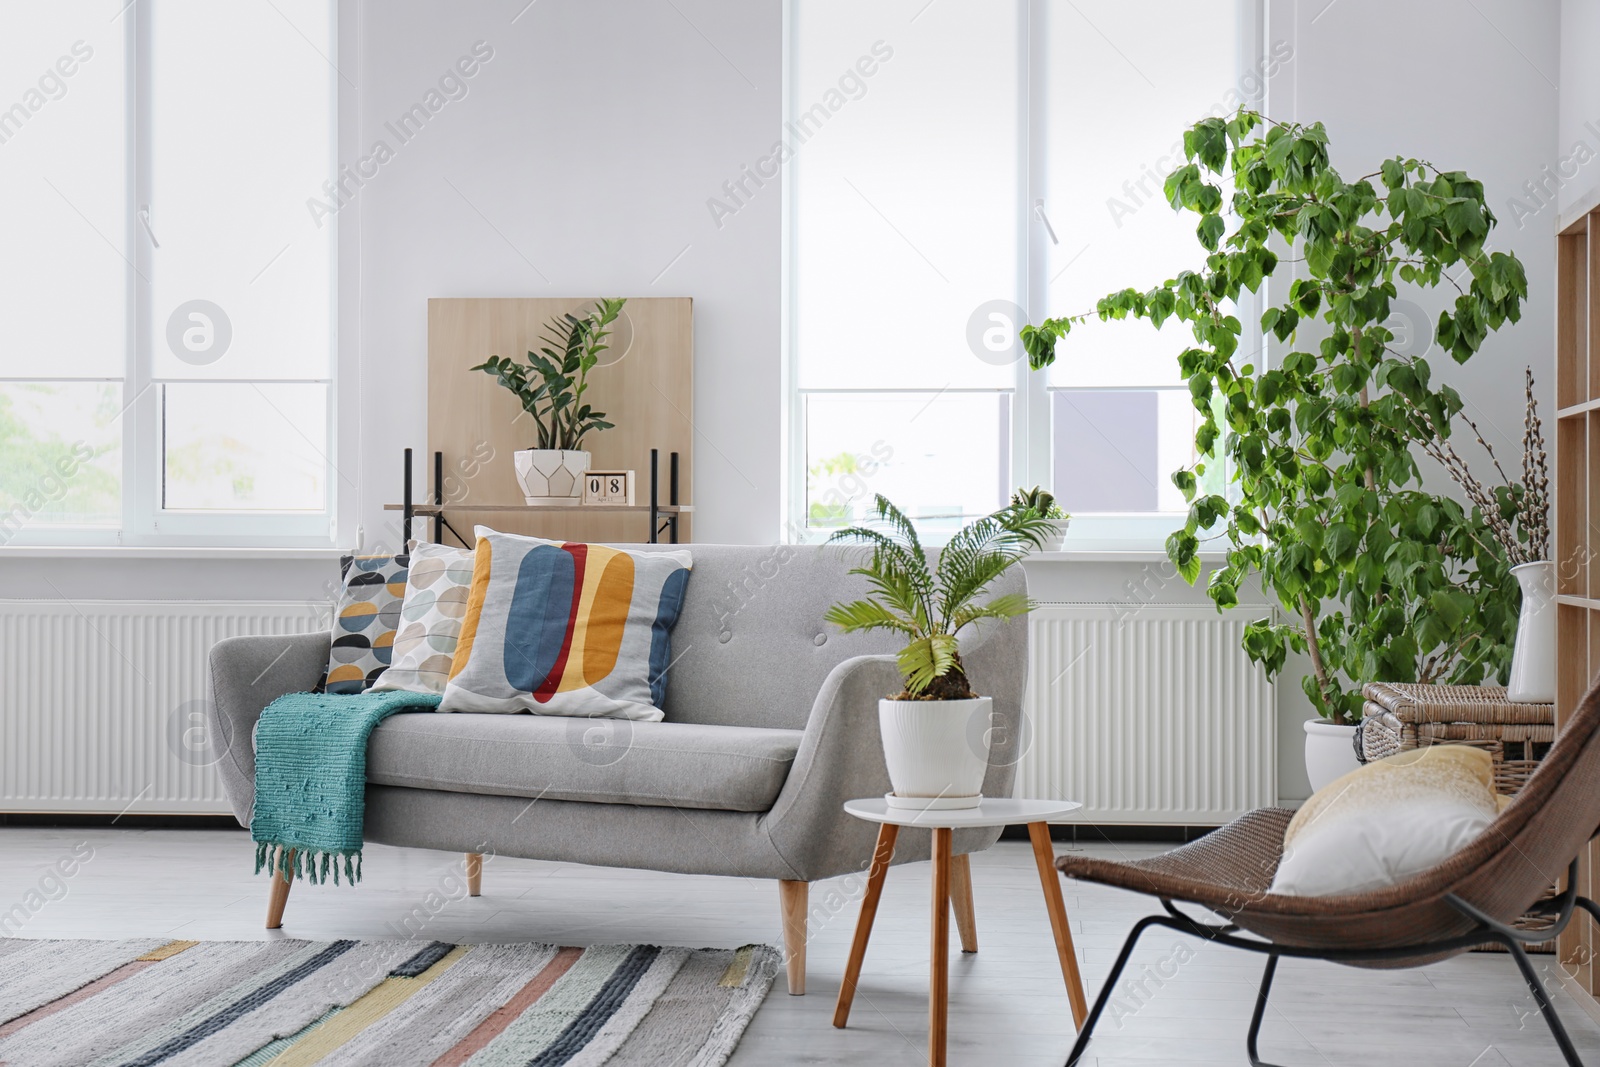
column 1057, row 534
column 1533, row 657
column 551, row 475
column 1330, row 752
column 937, row 751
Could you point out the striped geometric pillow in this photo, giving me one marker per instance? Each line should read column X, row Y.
column 558, row 628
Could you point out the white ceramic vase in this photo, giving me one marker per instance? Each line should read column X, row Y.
column 551, row 475
column 1330, row 752
column 1533, row 659
column 937, row 751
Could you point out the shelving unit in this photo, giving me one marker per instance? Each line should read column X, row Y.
column 663, row 517
column 1576, row 520
column 644, row 383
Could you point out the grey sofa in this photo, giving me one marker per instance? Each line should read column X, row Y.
column 771, row 725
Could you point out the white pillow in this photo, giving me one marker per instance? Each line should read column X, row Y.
column 1387, row 821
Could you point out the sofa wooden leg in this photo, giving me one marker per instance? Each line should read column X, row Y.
column 282, row 879
column 794, row 896
column 961, row 901
column 474, row 874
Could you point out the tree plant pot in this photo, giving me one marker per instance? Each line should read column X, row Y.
column 937, row 751
column 551, row 475
column 1533, row 657
column 1330, row 752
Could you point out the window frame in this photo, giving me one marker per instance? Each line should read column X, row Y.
column 1031, row 451
column 145, row 523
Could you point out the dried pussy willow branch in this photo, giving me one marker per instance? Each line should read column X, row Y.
column 1525, row 533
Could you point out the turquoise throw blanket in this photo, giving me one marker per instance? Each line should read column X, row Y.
column 311, row 777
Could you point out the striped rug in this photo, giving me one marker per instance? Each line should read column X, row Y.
column 296, row 1003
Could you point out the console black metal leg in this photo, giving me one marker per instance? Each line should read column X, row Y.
column 438, row 499
column 1260, row 1012
column 672, row 498
column 1100, row 1001
column 655, row 498
column 1542, row 998
column 405, row 510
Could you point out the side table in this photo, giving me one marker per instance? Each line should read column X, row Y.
column 1037, row 814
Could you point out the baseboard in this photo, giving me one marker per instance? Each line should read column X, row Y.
column 85, row 820
column 1087, row 833
column 1585, row 1000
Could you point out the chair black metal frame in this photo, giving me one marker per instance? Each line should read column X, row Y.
column 1561, row 906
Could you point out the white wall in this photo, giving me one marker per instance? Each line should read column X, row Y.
column 579, row 164
column 1576, row 171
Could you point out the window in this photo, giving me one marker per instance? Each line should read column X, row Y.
column 167, row 316
column 950, row 165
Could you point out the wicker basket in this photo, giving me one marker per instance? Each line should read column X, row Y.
column 1403, row 715
column 1398, row 716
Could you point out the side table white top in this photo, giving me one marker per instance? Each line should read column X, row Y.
column 996, row 812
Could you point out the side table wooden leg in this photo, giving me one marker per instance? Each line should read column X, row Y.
column 939, row 974
column 1044, row 855
column 881, row 855
column 961, row 901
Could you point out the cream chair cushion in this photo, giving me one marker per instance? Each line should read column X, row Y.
column 1383, row 823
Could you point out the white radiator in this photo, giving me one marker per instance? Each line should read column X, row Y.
column 102, row 703
column 1147, row 715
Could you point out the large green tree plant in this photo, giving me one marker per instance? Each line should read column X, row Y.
column 1378, row 579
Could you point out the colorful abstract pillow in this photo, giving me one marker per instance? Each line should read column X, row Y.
column 365, row 621
column 567, row 629
column 430, row 619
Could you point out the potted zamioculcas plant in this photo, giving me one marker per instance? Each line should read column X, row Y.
column 1044, row 505
column 550, row 388
column 935, row 758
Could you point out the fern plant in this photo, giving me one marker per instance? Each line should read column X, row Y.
column 930, row 605
column 551, row 387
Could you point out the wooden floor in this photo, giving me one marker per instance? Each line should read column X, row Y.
column 1007, row 1003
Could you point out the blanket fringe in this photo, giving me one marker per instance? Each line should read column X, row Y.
column 314, row 867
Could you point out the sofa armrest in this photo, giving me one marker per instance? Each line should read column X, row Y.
column 247, row 674
column 840, row 759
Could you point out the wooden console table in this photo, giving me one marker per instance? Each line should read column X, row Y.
column 663, row 517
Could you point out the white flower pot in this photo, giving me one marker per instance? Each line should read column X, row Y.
column 1058, row 534
column 1330, row 752
column 1533, row 658
column 551, row 475
column 937, row 751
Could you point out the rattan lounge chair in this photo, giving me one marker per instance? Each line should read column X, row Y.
column 1471, row 899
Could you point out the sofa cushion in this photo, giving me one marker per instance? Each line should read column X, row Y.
column 364, row 624
column 603, row 761
column 437, row 585
column 562, row 628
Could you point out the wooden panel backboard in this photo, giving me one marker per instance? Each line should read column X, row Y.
column 645, row 385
